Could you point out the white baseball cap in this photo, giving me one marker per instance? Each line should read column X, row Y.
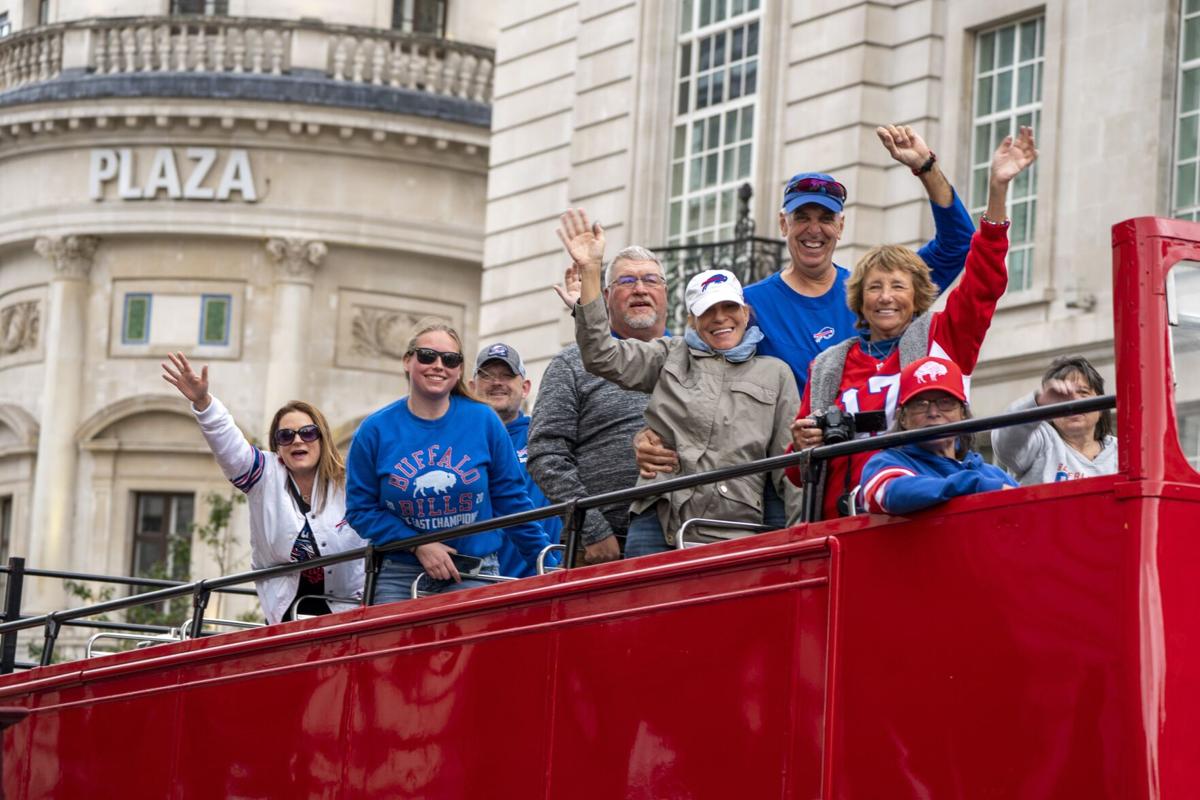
column 711, row 287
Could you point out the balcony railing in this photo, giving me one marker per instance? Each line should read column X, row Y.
column 252, row 46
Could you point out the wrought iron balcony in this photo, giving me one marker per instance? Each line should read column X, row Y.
column 750, row 257
column 227, row 46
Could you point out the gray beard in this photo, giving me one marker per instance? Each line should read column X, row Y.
column 640, row 322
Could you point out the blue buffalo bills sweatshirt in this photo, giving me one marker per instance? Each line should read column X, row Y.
column 407, row 476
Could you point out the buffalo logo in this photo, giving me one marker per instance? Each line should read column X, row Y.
column 439, row 480
column 498, row 351
column 930, row 371
column 823, row 334
column 712, row 280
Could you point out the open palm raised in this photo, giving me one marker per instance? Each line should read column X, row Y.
column 1014, row 155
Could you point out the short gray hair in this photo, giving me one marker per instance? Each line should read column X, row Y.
column 632, row 253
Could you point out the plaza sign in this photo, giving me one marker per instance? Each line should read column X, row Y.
column 165, row 177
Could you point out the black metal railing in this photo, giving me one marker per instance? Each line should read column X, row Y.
column 572, row 511
column 750, row 257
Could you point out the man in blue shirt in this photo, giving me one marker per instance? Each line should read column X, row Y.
column 500, row 381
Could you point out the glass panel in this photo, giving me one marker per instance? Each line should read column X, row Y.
column 1185, row 185
column 684, row 97
column 983, row 137
column 705, row 54
column 677, row 179
column 987, row 52
column 710, row 209
column 735, row 52
column 710, row 170
column 744, row 161
column 1026, row 120
column 685, row 60
column 676, row 216
column 698, row 136
column 136, row 326
column 714, row 131
column 1020, row 185
column 1005, row 41
column 152, row 511
column 983, row 97
column 1189, row 99
column 697, row 167
column 693, row 216
column 1187, row 138
column 718, row 87
column 1029, row 40
column 702, row 93
column 1183, row 312
column 737, row 7
column 747, row 122
column 1016, row 269
column 706, row 11
column 1192, row 6
column 751, row 78
column 215, row 320
column 979, row 184
column 1004, row 90
column 1001, row 129
column 718, row 58
column 728, row 204
column 1191, row 39
column 735, row 82
column 1032, row 226
column 680, row 141
column 752, row 40
column 685, row 16
column 1020, row 217
column 1025, row 85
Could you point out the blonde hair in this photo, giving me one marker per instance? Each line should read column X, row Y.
column 431, row 325
column 331, row 467
column 891, row 258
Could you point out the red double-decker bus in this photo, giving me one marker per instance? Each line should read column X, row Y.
column 1036, row 643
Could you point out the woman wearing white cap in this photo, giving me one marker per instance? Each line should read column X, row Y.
column 714, row 401
column 915, row 476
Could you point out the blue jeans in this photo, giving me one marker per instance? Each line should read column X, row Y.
column 646, row 534
column 395, row 580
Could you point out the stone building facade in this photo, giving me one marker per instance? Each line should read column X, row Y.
column 650, row 115
column 280, row 199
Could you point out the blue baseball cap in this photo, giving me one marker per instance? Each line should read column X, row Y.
column 814, row 187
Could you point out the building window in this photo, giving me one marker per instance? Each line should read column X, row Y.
column 1008, row 94
column 214, row 318
column 419, row 16
column 162, row 535
column 6, row 526
column 135, row 325
column 712, row 150
column 204, row 8
column 43, row 12
column 1185, row 202
column 5, row 25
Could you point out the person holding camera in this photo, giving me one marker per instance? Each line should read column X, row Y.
column 296, row 492
column 916, row 476
column 891, row 292
column 711, row 395
column 436, row 460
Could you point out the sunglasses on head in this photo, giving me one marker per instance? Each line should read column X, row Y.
column 308, row 433
column 817, row 186
column 427, row 355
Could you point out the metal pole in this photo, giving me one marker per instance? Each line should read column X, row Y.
column 53, row 626
column 573, row 523
column 12, row 611
column 199, row 604
column 371, row 567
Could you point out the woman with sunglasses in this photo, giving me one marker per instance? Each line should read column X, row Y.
column 296, row 492
column 433, row 461
column 891, row 292
column 916, row 476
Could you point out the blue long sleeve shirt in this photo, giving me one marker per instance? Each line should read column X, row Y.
column 910, row 478
column 407, row 476
column 797, row 327
column 512, row 562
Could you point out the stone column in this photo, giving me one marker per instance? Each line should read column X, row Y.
column 296, row 262
column 52, row 516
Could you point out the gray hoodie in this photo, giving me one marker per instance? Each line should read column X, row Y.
column 1035, row 453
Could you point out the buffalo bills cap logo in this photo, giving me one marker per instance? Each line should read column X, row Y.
column 823, row 334
column 712, row 280
column 497, row 351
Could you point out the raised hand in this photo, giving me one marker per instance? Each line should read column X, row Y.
column 569, row 289
column 1014, row 155
column 904, row 145
column 179, row 373
column 583, row 241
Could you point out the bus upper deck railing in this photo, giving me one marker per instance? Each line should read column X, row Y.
column 571, row 510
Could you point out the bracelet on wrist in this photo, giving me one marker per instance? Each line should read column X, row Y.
column 983, row 219
column 928, row 165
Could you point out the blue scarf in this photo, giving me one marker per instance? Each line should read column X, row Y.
column 743, row 351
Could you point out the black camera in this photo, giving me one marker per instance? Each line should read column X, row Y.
column 840, row 426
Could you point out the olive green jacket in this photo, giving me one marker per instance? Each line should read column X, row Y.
column 712, row 412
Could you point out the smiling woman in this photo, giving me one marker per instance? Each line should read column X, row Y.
column 297, row 497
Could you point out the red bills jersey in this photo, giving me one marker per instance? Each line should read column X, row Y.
column 955, row 334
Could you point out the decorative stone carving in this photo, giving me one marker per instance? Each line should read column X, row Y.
column 296, row 260
column 19, row 326
column 380, row 332
column 71, row 255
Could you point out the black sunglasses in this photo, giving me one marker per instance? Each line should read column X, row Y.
column 285, row 436
column 427, row 355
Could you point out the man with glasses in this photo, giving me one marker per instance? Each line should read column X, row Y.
column 500, row 381
column 581, row 434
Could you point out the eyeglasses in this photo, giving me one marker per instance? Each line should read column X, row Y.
column 921, row 404
column 308, row 433
column 497, row 377
column 427, row 355
column 650, row 281
column 817, row 186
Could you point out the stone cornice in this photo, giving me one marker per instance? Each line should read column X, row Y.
column 71, row 256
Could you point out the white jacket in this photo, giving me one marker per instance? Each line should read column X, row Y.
column 275, row 519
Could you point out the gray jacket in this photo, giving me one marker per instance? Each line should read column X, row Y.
column 712, row 412
column 581, row 440
column 1035, row 453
